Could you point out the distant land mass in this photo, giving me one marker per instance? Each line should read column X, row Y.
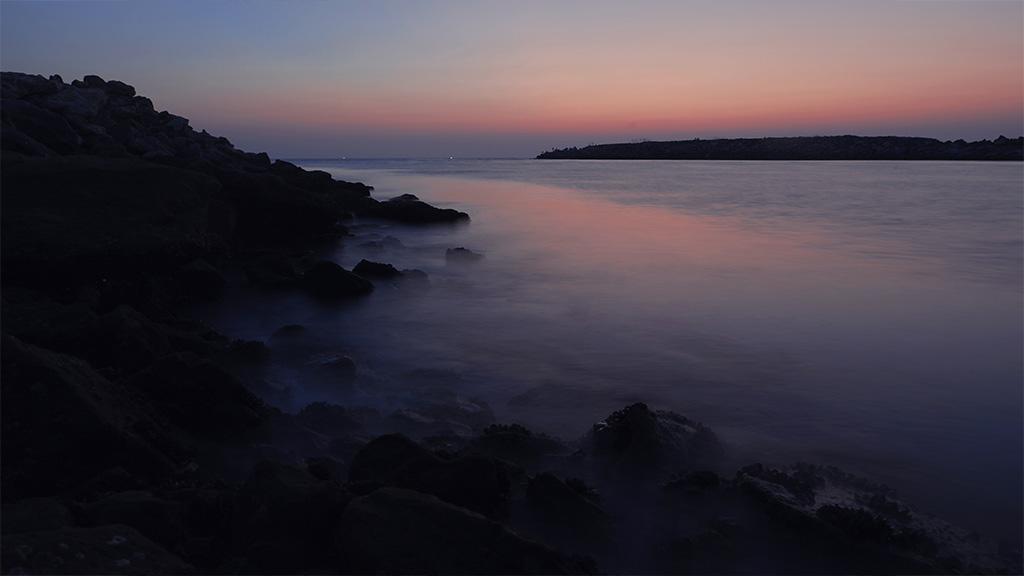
column 800, row 148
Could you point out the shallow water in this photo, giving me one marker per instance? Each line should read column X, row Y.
column 866, row 315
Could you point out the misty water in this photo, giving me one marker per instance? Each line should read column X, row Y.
column 865, row 315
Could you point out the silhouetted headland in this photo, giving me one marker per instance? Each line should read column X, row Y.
column 800, row 148
column 136, row 441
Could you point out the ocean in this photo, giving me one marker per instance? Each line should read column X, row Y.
column 866, row 315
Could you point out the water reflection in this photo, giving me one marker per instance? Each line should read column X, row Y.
column 872, row 330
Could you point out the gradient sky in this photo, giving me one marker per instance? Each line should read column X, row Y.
column 483, row 78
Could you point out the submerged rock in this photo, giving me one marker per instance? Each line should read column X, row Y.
column 461, row 255
column 411, row 210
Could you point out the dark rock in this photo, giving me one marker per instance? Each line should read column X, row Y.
column 98, row 221
column 330, row 281
column 200, row 281
column 81, row 103
column 48, row 128
column 401, row 531
column 16, row 86
column 285, row 518
column 461, row 255
column 324, row 468
column 248, row 351
column 128, row 342
column 368, row 269
column 39, row 320
column 35, row 515
column 334, row 366
column 111, row 480
column 442, row 412
column 118, row 88
column 87, row 424
column 841, row 523
column 515, row 443
column 695, row 482
column 202, row 399
column 475, row 482
column 387, row 242
column 636, row 439
column 570, row 505
column 272, row 268
column 156, row 519
column 335, row 420
column 288, row 331
column 415, row 276
column 91, row 81
column 113, row 549
column 411, row 210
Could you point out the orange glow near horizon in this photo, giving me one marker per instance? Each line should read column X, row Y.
column 338, row 73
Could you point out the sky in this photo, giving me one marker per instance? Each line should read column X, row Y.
column 483, row 78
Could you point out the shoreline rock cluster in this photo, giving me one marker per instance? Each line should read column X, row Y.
column 134, row 439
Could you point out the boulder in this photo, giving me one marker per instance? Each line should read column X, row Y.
column 63, row 423
column 155, row 518
column 17, row 86
column 638, row 440
column 517, row 444
column 113, row 549
column 202, row 399
column 82, row 103
column 327, row 280
column 200, row 281
column 409, row 209
column 475, row 482
column 48, row 128
column 569, row 510
column 398, row 531
column 35, row 515
column 335, row 420
column 126, row 341
column 461, row 255
column 285, row 518
column 368, row 269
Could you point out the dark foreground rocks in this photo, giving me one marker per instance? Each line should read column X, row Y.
column 400, row 531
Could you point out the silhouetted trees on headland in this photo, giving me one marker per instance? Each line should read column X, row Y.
column 801, row 148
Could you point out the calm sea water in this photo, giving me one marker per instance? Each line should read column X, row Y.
column 866, row 315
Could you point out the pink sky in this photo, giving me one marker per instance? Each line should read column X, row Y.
column 405, row 78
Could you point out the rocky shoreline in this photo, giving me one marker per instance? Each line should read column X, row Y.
column 135, row 439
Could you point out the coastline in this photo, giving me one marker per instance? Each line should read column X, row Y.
column 103, row 245
column 801, row 148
